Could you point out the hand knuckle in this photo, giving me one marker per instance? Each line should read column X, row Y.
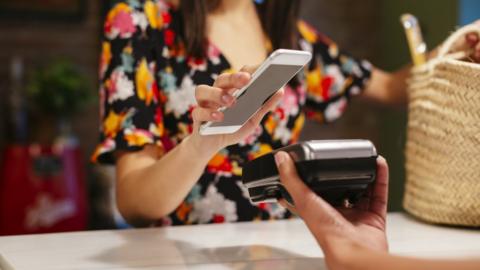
column 199, row 90
column 195, row 114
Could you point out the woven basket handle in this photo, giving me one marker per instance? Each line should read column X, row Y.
column 457, row 35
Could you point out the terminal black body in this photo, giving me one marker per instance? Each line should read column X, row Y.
column 339, row 171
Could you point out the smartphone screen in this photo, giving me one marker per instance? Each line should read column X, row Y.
column 266, row 84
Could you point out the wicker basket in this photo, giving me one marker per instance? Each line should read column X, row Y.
column 443, row 140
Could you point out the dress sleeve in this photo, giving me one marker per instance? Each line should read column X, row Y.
column 131, row 109
column 332, row 77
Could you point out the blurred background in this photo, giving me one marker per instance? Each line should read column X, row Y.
column 53, row 45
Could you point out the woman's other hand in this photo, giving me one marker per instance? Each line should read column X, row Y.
column 211, row 98
column 340, row 232
column 473, row 41
column 470, row 43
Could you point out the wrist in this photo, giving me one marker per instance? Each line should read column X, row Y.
column 199, row 147
column 342, row 255
column 347, row 254
column 433, row 53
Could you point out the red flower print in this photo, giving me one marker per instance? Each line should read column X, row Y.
column 167, row 18
column 281, row 113
column 218, row 219
column 327, row 83
column 220, row 163
column 158, row 115
column 197, row 63
column 156, row 92
column 169, row 36
column 167, row 143
column 107, row 27
column 262, row 206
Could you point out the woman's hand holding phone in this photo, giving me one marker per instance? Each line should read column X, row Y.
column 212, row 98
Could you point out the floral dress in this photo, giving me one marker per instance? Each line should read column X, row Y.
column 147, row 96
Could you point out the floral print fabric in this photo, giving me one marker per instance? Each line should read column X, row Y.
column 147, row 95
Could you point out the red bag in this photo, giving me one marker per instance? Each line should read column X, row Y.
column 42, row 190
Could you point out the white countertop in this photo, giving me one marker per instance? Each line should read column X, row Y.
column 258, row 245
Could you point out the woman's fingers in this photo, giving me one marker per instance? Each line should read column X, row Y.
column 213, row 97
column 472, row 39
column 255, row 120
column 232, row 80
column 200, row 114
column 273, row 101
column 473, row 42
column 476, row 54
column 249, row 69
column 267, row 107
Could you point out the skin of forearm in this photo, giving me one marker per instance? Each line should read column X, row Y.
column 391, row 87
column 361, row 259
column 398, row 86
column 388, row 88
column 155, row 190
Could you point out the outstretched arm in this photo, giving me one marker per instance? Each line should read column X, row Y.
column 390, row 87
column 354, row 238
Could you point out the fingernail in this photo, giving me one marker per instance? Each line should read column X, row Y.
column 279, row 159
column 237, row 76
column 242, row 76
column 215, row 115
column 227, row 99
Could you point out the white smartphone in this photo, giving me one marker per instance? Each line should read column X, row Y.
column 273, row 74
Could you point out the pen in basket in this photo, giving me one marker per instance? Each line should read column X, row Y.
column 417, row 45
